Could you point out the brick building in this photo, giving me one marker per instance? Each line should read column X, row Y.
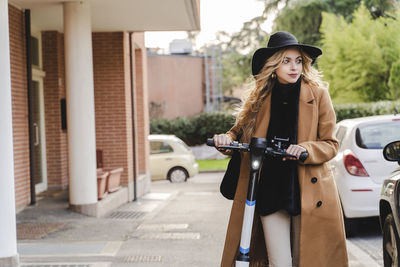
column 77, row 85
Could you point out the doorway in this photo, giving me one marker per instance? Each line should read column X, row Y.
column 39, row 136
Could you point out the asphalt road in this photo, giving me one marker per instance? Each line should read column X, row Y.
column 369, row 239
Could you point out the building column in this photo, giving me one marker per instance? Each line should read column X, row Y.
column 8, row 233
column 80, row 106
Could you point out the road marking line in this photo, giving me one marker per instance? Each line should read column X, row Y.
column 111, row 248
column 162, row 227
column 170, row 236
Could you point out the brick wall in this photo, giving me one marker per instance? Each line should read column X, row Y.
column 54, row 91
column 113, row 101
column 19, row 106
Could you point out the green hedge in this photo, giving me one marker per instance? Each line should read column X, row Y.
column 348, row 111
column 195, row 130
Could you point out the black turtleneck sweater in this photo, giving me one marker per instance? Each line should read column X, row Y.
column 279, row 184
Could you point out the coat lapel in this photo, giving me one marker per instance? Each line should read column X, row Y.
column 307, row 110
column 262, row 120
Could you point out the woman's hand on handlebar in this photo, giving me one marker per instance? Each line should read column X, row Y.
column 222, row 140
column 294, row 150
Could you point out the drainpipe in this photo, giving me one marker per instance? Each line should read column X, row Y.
column 30, row 106
column 133, row 117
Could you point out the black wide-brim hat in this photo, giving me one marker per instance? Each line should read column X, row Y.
column 276, row 42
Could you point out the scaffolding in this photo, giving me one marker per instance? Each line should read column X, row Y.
column 213, row 79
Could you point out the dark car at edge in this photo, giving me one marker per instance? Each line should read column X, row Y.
column 389, row 209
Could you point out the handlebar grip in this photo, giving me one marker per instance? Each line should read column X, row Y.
column 303, row 156
column 210, row 142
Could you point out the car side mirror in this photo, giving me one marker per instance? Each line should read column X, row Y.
column 391, row 152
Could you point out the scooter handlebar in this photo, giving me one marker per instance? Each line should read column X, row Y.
column 210, row 142
column 234, row 145
column 303, row 156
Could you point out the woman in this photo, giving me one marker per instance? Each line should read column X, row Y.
column 298, row 220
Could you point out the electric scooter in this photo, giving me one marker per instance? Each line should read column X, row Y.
column 258, row 149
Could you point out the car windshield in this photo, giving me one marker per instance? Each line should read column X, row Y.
column 183, row 145
column 376, row 136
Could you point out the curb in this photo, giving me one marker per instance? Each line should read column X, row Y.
column 361, row 258
column 210, row 171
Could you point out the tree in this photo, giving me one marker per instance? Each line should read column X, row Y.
column 358, row 55
column 300, row 17
column 381, row 8
column 237, row 50
column 303, row 18
column 192, row 35
column 394, row 80
column 236, row 69
column 250, row 36
column 345, row 8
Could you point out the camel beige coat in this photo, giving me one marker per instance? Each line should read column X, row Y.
column 322, row 237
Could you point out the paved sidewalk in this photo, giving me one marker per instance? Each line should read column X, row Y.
column 174, row 225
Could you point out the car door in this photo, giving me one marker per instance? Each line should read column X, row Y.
column 160, row 159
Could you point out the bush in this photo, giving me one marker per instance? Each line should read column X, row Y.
column 348, row 111
column 195, row 130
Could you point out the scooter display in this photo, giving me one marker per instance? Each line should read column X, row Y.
column 258, row 149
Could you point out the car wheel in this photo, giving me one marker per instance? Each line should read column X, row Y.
column 177, row 175
column 390, row 243
column 350, row 226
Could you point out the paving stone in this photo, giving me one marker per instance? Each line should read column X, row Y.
column 34, row 231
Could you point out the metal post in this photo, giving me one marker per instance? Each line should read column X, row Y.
column 207, row 108
column 213, row 80
column 221, row 95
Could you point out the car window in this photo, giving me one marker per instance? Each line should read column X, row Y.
column 376, row 136
column 157, row 147
column 340, row 133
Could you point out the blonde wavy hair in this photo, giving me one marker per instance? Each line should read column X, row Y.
column 263, row 84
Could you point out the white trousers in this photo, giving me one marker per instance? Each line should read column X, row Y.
column 283, row 251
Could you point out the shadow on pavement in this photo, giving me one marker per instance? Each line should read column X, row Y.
column 369, row 227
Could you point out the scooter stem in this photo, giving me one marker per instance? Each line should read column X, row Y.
column 257, row 148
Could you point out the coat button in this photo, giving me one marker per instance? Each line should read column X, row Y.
column 319, row 204
column 314, row 180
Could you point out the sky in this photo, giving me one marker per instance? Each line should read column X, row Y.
column 215, row 15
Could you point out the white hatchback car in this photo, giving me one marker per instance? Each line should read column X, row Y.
column 171, row 158
column 359, row 167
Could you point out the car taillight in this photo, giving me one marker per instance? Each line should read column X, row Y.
column 353, row 165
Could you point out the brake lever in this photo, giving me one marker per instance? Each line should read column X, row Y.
column 235, row 145
column 271, row 151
